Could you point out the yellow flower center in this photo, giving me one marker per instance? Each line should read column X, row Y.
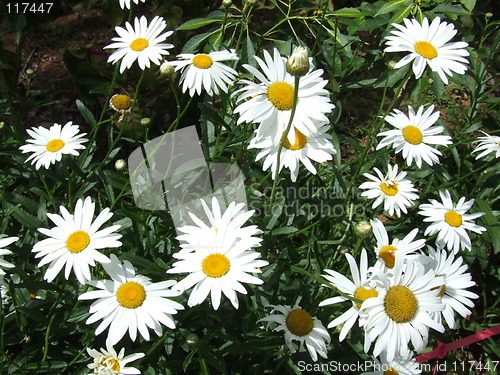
column 400, row 304
column 453, row 219
column 281, row 95
column 202, row 61
column 412, row 135
column 391, row 371
column 77, row 241
column 55, row 145
column 388, row 255
column 215, row 265
column 139, row 44
column 299, row 322
column 426, row 50
column 121, row 102
column 300, row 141
column 110, row 363
column 131, row 295
column 389, row 188
column 363, row 294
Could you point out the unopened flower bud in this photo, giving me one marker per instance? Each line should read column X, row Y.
column 192, row 339
column 227, row 3
column 166, row 69
column 363, row 229
column 298, row 63
column 30, row 72
column 2, row 125
column 489, row 15
column 145, row 121
column 391, row 64
column 120, row 165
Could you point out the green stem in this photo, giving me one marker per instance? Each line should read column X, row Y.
column 174, row 124
column 484, row 166
column 47, row 334
column 283, row 139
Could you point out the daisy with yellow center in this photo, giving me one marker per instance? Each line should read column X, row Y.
column 361, row 287
column 414, row 134
column 402, row 310
column 298, row 325
column 206, row 71
column 130, row 302
column 450, row 221
column 49, row 145
column 217, row 271
column 428, row 45
column 388, row 251
column 269, row 102
column 141, row 42
column 108, row 362
column 218, row 260
column 316, row 147
column 454, row 292
column 405, row 365
column 393, row 190
column 75, row 240
column 489, row 144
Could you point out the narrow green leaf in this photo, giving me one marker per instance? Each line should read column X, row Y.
column 87, row 115
column 197, row 23
column 284, row 230
column 469, row 4
column 348, row 12
column 192, row 44
column 392, row 6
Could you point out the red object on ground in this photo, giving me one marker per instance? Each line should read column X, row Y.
column 443, row 348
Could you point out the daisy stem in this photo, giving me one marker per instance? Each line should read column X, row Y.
column 283, row 139
column 47, row 334
column 484, row 166
column 174, row 124
column 157, row 343
column 76, row 357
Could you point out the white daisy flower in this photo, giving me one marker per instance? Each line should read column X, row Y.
column 393, row 190
column 401, row 311
column 108, row 362
column 5, row 241
column 428, row 45
column 450, row 221
column 300, row 326
column 221, row 227
column 220, row 266
column 488, row 144
column 270, row 101
column 388, row 251
column 454, row 292
column 126, row 3
column 361, row 287
column 75, row 240
column 405, row 365
column 205, row 71
column 316, row 147
column 414, row 134
column 48, row 145
column 141, row 43
column 130, row 302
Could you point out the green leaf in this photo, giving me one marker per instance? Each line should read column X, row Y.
column 401, row 13
column 87, row 115
column 44, row 366
column 348, row 12
column 248, row 52
column 469, row 4
column 449, row 9
column 392, row 6
column 25, row 218
column 197, row 23
column 284, row 230
column 192, row 44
